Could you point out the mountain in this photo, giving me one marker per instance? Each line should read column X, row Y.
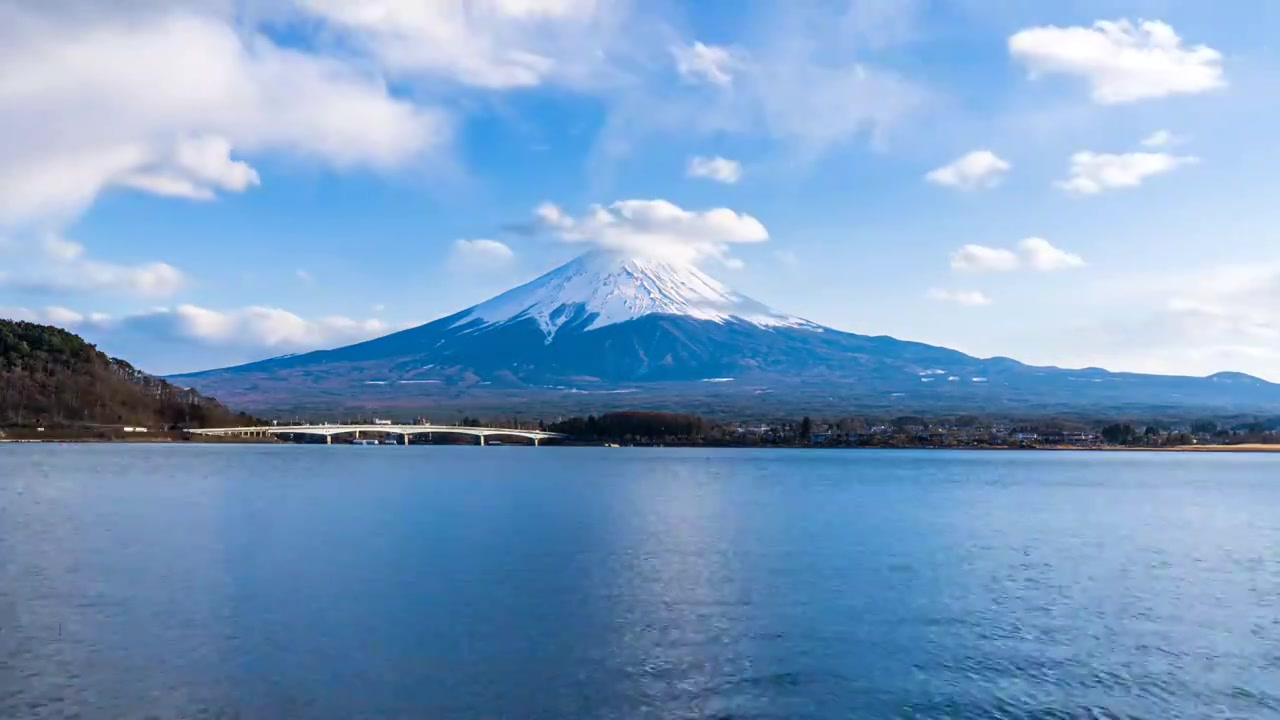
column 601, row 289
column 51, row 377
column 667, row 335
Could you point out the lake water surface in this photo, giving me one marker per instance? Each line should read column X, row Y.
column 202, row 581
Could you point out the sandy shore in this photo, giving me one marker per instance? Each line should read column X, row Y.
column 1242, row 447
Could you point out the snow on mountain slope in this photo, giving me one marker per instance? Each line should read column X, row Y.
column 611, row 288
column 670, row 336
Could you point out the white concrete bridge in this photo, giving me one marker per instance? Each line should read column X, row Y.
column 403, row 431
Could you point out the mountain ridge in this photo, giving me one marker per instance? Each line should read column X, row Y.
column 606, row 323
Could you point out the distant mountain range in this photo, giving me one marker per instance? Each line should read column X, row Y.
column 606, row 331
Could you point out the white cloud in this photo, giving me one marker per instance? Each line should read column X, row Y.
column 164, row 185
column 304, row 275
column 975, row 170
column 980, row 258
column 1035, row 253
column 706, row 63
column 1121, row 61
column 715, row 168
column 58, row 248
column 190, row 337
column 1161, row 138
column 1092, row 173
column 155, row 98
column 550, row 215
column 55, row 315
column 19, row 314
column 1041, row 255
column 657, row 228
column 51, row 315
column 148, row 279
column 198, row 166
column 481, row 253
column 265, row 328
column 968, row 298
column 494, row 44
column 63, row 316
column 54, row 264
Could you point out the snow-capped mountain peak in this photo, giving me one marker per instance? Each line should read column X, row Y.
column 611, row 288
column 670, row 336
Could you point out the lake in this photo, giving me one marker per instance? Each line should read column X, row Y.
column 213, row 581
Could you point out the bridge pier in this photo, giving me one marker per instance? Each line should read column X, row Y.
column 328, row 439
column 481, row 441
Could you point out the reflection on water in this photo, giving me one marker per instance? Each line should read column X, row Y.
column 335, row 582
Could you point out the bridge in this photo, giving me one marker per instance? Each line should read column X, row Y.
column 404, row 431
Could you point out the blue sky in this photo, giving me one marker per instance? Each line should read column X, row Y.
column 194, row 183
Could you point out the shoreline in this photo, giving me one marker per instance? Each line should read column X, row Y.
column 1242, row 447
column 157, row 440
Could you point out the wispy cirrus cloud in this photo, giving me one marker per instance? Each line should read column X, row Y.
column 967, row 298
column 699, row 62
column 481, row 253
column 804, row 80
column 1190, row 322
column 53, row 264
column 490, row 44
column 787, row 257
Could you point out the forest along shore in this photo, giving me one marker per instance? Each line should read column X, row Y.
column 178, row 437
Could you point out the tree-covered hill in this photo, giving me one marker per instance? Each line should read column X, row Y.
column 49, row 376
